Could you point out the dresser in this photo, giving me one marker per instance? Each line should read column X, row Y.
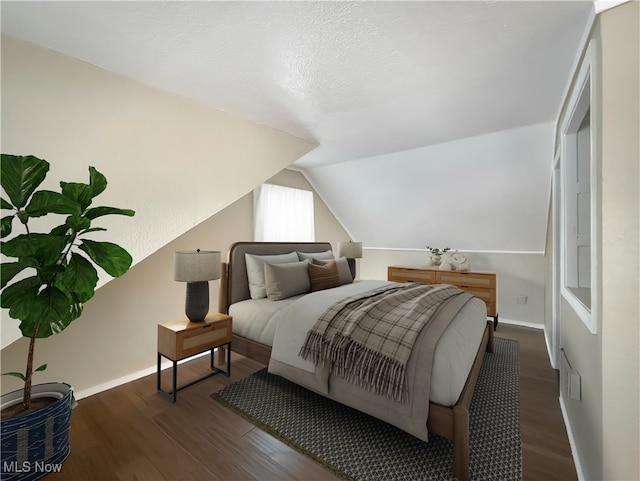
column 483, row 285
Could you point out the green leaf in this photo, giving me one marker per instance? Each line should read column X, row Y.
column 5, row 228
column 77, row 192
column 46, row 248
column 5, row 204
column 96, row 212
column 19, row 296
column 52, row 310
column 76, row 306
column 9, row 271
column 62, row 231
column 46, row 202
column 79, row 277
column 19, row 375
column 78, row 223
column 41, row 368
column 111, row 257
column 20, row 176
column 97, row 181
column 93, row 229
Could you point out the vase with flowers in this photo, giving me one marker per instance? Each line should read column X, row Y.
column 435, row 257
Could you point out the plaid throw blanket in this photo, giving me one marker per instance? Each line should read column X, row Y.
column 367, row 339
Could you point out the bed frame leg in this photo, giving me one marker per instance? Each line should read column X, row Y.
column 461, row 443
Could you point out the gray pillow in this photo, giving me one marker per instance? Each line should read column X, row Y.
column 343, row 268
column 326, row 255
column 286, row 280
column 255, row 270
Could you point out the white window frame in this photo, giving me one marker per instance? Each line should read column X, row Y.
column 583, row 99
column 283, row 214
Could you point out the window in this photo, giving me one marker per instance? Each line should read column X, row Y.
column 283, row 214
column 580, row 168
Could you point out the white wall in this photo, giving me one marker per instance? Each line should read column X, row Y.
column 483, row 193
column 621, row 242
column 173, row 161
column 604, row 425
column 115, row 339
column 517, row 274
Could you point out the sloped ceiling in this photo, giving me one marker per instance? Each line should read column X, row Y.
column 379, row 86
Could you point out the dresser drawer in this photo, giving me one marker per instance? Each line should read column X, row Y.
column 482, row 285
column 461, row 279
column 486, row 295
column 405, row 274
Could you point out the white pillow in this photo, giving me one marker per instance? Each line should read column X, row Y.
column 255, row 270
column 286, row 280
column 326, row 255
column 343, row 269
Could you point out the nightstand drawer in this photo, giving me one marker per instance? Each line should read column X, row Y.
column 181, row 338
column 198, row 340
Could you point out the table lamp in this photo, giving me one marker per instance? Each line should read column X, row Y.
column 196, row 268
column 352, row 251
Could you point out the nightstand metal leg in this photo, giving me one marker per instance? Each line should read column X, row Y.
column 174, row 392
column 174, row 375
column 158, row 372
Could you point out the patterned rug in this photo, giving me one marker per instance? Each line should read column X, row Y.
column 356, row 446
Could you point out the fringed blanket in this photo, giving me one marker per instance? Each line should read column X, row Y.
column 367, row 339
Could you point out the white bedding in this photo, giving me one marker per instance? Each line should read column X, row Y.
column 256, row 319
column 284, row 325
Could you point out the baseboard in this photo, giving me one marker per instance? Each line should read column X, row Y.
column 552, row 360
column 532, row 325
column 105, row 386
column 572, row 441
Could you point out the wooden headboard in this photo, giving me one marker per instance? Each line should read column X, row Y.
column 234, row 285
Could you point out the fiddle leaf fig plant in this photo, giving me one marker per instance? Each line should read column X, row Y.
column 57, row 267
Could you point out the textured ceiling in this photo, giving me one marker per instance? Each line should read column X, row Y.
column 434, row 119
column 360, row 78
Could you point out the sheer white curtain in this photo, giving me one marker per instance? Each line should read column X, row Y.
column 282, row 214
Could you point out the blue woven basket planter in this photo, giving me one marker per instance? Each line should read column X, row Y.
column 37, row 443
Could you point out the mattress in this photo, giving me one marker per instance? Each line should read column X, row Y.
column 256, row 319
column 283, row 325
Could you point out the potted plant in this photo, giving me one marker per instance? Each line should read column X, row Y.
column 45, row 284
column 436, row 255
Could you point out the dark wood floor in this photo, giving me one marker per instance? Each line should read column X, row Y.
column 133, row 432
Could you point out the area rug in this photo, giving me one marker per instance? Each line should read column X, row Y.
column 356, row 446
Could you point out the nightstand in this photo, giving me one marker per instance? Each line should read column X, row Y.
column 181, row 339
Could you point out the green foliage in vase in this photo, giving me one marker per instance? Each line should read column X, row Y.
column 438, row 252
column 59, row 274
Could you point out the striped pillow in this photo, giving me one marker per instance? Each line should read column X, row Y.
column 323, row 277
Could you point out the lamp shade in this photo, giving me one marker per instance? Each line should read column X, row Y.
column 350, row 250
column 196, row 266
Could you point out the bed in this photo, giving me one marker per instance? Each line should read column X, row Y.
column 272, row 331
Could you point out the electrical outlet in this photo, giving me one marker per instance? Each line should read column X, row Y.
column 521, row 299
